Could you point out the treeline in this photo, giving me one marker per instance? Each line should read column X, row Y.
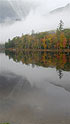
column 59, row 39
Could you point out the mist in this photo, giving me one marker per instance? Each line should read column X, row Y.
column 36, row 17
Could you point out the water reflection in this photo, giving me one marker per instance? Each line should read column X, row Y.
column 11, row 83
column 31, row 91
column 21, row 102
column 60, row 61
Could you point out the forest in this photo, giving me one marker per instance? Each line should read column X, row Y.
column 56, row 39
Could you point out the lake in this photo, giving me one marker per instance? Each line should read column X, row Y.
column 35, row 88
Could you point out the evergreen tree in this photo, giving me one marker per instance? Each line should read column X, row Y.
column 61, row 24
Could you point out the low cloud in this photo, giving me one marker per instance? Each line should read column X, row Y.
column 38, row 18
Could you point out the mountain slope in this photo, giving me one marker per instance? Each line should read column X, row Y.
column 61, row 9
column 7, row 12
column 13, row 10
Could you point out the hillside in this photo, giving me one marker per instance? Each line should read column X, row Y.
column 13, row 10
column 7, row 12
column 41, row 41
column 65, row 9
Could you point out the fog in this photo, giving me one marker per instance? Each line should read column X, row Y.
column 37, row 18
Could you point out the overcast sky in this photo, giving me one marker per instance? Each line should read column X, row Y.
column 49, row 4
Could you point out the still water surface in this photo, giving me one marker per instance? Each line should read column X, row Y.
column 35, row 88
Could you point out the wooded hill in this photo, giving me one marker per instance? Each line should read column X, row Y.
column 59, row 39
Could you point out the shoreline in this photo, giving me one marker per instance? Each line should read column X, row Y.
column 39, row 50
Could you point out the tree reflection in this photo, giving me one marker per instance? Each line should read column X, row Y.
column 60, row 61
column 60, row 73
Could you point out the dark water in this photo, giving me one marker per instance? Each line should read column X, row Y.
column 35, row 88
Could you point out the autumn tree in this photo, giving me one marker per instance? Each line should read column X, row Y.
column 62, row 40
